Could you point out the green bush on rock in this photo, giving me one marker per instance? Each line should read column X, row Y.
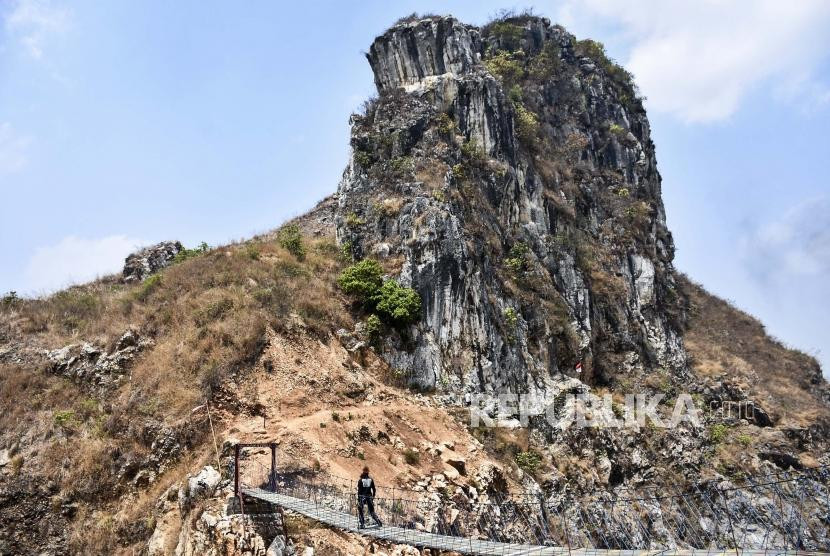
column 397, row 304
column 389, row 302
column 362, row 279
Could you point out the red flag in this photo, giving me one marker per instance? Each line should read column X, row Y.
column 578, row 367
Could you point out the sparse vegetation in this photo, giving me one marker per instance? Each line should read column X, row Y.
column 527, row 125
column 516, row 262
column 291, row 240
column 354, row 221
column 529, row 461
column 186, row 254
column 374, row 329
column 65, row 419
column 411, row 457
column 506, row 66
column 511, row 322
column 717, row 432
column 9, row 299
column 445, row 124
column 148, row 286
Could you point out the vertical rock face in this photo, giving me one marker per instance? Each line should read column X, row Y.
column 408, row 54
column 508, row 175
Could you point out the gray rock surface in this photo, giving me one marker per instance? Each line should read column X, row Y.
column 92, row 365
column 149, row 260
column 580, row 201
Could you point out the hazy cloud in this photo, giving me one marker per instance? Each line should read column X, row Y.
column 33, row 22
column 76, row 260
column 13, row 149
column 699, row 59
column 797, row 245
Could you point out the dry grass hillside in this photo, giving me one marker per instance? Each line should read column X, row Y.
column 207, row 319
column 731, row 350
column 249, row 326
column 252, row 327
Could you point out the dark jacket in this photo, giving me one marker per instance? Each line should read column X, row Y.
column 365, row 486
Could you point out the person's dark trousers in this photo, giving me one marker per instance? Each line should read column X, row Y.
column 366, row 500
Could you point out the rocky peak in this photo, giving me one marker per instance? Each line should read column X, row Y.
column 530, row 220
column 417, row 49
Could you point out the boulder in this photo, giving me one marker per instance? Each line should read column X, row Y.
column 150, row 260
column 198, row 487
column 456, row 462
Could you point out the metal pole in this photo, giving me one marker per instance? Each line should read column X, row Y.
column 236, row 470
column 273, row 467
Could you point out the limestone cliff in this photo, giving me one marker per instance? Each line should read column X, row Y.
column 508, row 172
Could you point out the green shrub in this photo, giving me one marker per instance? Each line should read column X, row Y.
column 186, row 254
column 528, row 461
column 506, row 66
column 473, row 151
column 527, row 125
column 362, row 158
column 507, row 33
column 517, row 261
column 411, row 457
column 515, row 94
column 618, row 130
column 362, row 279
column 291, row 240
column 148, row 286
column 399, row 305
column 10, row 299
column 354, row 221
column 718, row 432
column 65, row 419
column 252, row 252
column 374, row 329
column 546, row 63
column 511, row 318
column 402, row 166
column 745, row 439
column 445, row 124
column 458, row 171
column 393, row 303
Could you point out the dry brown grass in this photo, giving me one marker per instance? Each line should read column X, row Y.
column 208, row 318
column 726, row 343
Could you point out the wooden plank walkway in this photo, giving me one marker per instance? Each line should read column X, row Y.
column 463, row 545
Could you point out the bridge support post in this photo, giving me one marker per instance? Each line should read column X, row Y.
column 273, row 477
column 236, row 470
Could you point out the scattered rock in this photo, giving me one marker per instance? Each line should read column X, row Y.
column 150, row 260
column 198, row 487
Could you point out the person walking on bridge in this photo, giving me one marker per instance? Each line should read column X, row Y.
column 366, row 496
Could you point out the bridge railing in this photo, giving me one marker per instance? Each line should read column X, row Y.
column 773, row 511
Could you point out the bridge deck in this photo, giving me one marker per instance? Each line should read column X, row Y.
column 462, row 545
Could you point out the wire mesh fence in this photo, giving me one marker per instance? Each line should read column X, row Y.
column 774, row 511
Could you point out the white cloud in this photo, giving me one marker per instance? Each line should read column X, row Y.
column 792, row 248
column 75, row 260
column 33, row 22
column 699, row 59
column 13, row 149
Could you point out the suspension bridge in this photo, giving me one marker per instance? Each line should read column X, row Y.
column 773, row 513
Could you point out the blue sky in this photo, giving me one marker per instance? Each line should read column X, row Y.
column 125, row 123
